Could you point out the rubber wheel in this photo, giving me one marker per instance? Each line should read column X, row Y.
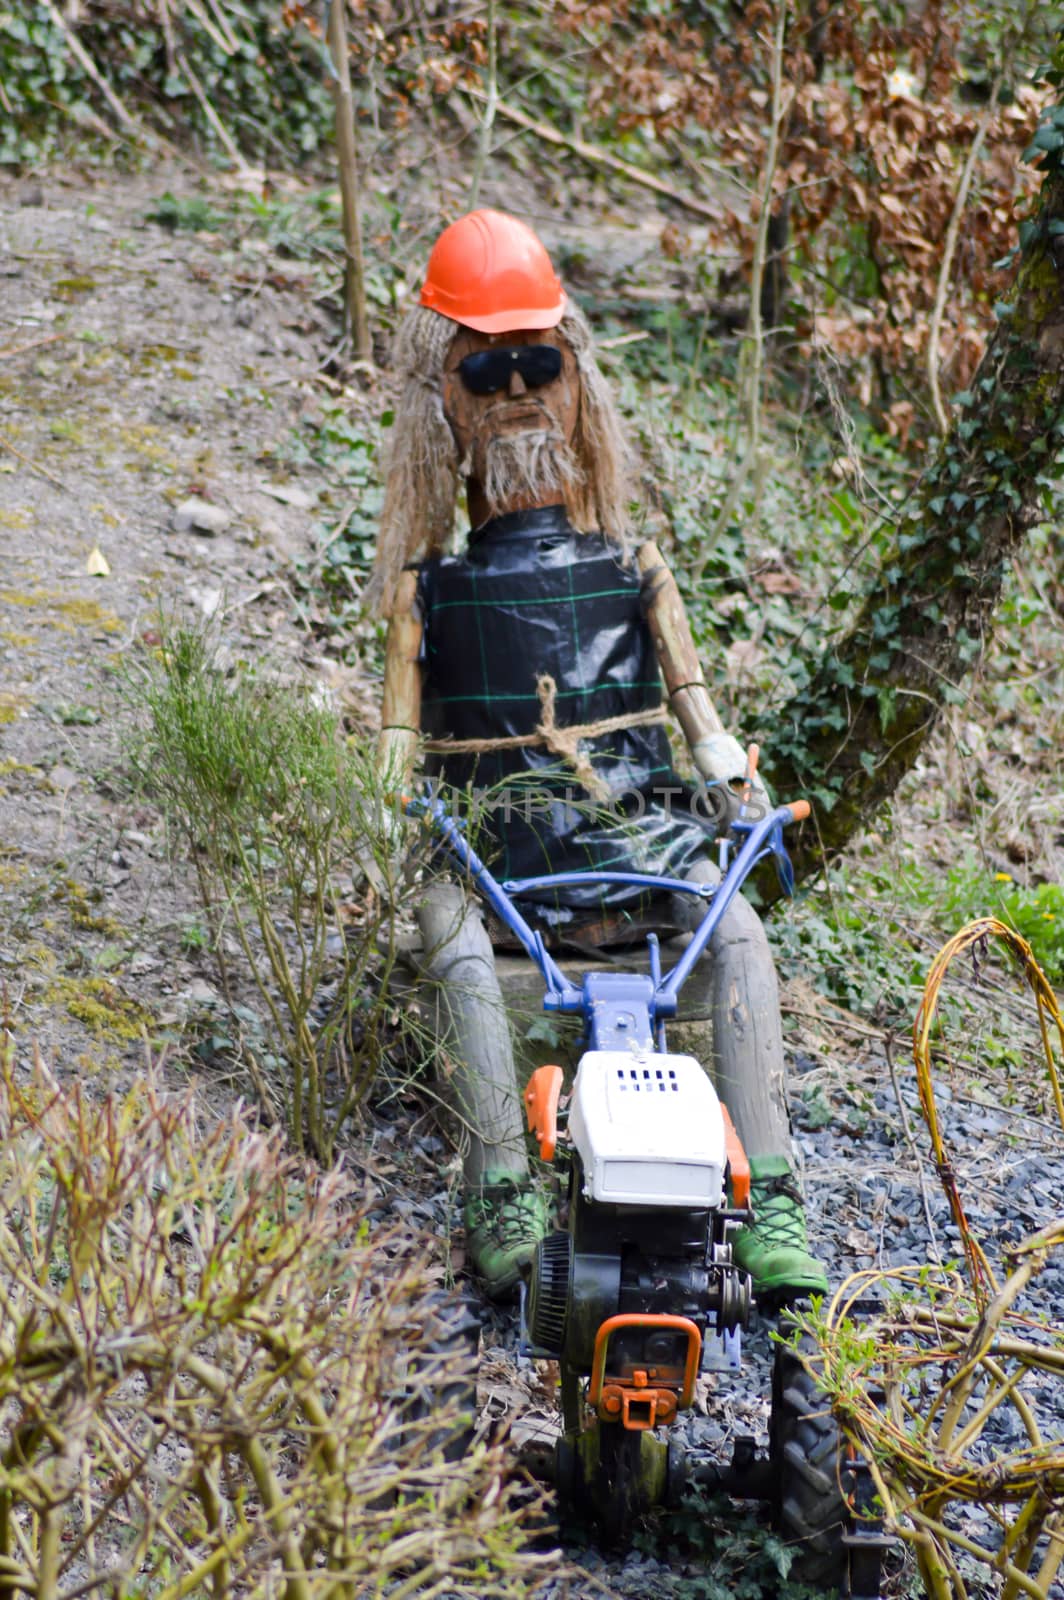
column 810, row 1473
column 440, row 1377
column 618, row 1501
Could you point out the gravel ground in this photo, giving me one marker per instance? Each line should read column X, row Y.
column 874, row 1204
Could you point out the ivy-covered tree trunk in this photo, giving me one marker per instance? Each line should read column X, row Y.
column 848, row 738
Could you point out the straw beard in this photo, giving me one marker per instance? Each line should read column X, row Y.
column 529, row 465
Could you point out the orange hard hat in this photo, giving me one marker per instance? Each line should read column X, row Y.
column 489, row 271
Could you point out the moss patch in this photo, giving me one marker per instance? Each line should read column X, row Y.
column 81, row 901
column 70, row 288
column 101, row 1006
column 10, row 707
column 82, row 613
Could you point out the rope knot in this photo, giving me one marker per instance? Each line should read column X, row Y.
column 566, row 742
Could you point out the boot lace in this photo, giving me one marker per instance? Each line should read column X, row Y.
column 506, row 1212
column 780, row 1212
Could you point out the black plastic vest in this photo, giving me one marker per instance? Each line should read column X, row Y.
column 532, row 596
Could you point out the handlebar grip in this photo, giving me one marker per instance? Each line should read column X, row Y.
column 752, row 756
column 799, row 810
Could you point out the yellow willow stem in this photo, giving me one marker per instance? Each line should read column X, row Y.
column 1023, row 1554
column 1006, row 1390
column 950, row 1536
column 1018, row 1539
column 982, row 929
column 933, row 1570
column 1054, row 1526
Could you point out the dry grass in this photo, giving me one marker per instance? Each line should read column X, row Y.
column 215, row 1380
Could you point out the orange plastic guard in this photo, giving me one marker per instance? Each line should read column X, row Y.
column 737, row 1163
column 541, row 1108
column 635, row 1319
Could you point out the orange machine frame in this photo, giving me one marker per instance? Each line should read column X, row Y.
column 635, row 1402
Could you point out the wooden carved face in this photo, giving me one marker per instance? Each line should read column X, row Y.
column 481, row 421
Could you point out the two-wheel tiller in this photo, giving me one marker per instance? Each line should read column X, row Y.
column 639, row 1292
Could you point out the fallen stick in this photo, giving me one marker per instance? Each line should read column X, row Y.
column 15, row 451
column 81, row 55
column 608, row 344
column 31, row 344
column 232, row 150
column 603, row 158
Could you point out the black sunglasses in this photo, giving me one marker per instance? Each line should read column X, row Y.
column 488, row 371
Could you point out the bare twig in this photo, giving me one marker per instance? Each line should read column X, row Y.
column 948, row 252
column 232, row 149
column 168, row 1330
column 753, row 348
column 226, row 41
column 85, row 61
column 355, row 316
column 903, row 1112
column 43, row 471
column 490, row 107
column 31, row 344
column 597, row 157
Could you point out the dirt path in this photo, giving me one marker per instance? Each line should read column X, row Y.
column 138, row 368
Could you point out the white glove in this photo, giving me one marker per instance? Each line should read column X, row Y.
column 720, row 758
column 722, row 762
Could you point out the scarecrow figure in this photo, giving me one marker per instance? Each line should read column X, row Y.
column 533, row 662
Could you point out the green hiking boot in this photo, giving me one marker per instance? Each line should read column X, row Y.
column 505, row 1218
column 774, row 1249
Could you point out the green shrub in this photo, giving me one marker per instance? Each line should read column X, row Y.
column 276, row 811
column 1038, row 914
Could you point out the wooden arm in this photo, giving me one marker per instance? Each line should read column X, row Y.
column 401, row 703
column 675, row 648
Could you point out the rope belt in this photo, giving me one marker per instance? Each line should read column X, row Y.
column 563, row 742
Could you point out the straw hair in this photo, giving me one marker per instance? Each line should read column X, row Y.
column 424, row 473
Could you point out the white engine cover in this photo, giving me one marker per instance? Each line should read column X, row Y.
column 649, row 1130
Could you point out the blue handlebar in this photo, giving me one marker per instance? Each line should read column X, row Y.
column 643, row 880
column 760, row 839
